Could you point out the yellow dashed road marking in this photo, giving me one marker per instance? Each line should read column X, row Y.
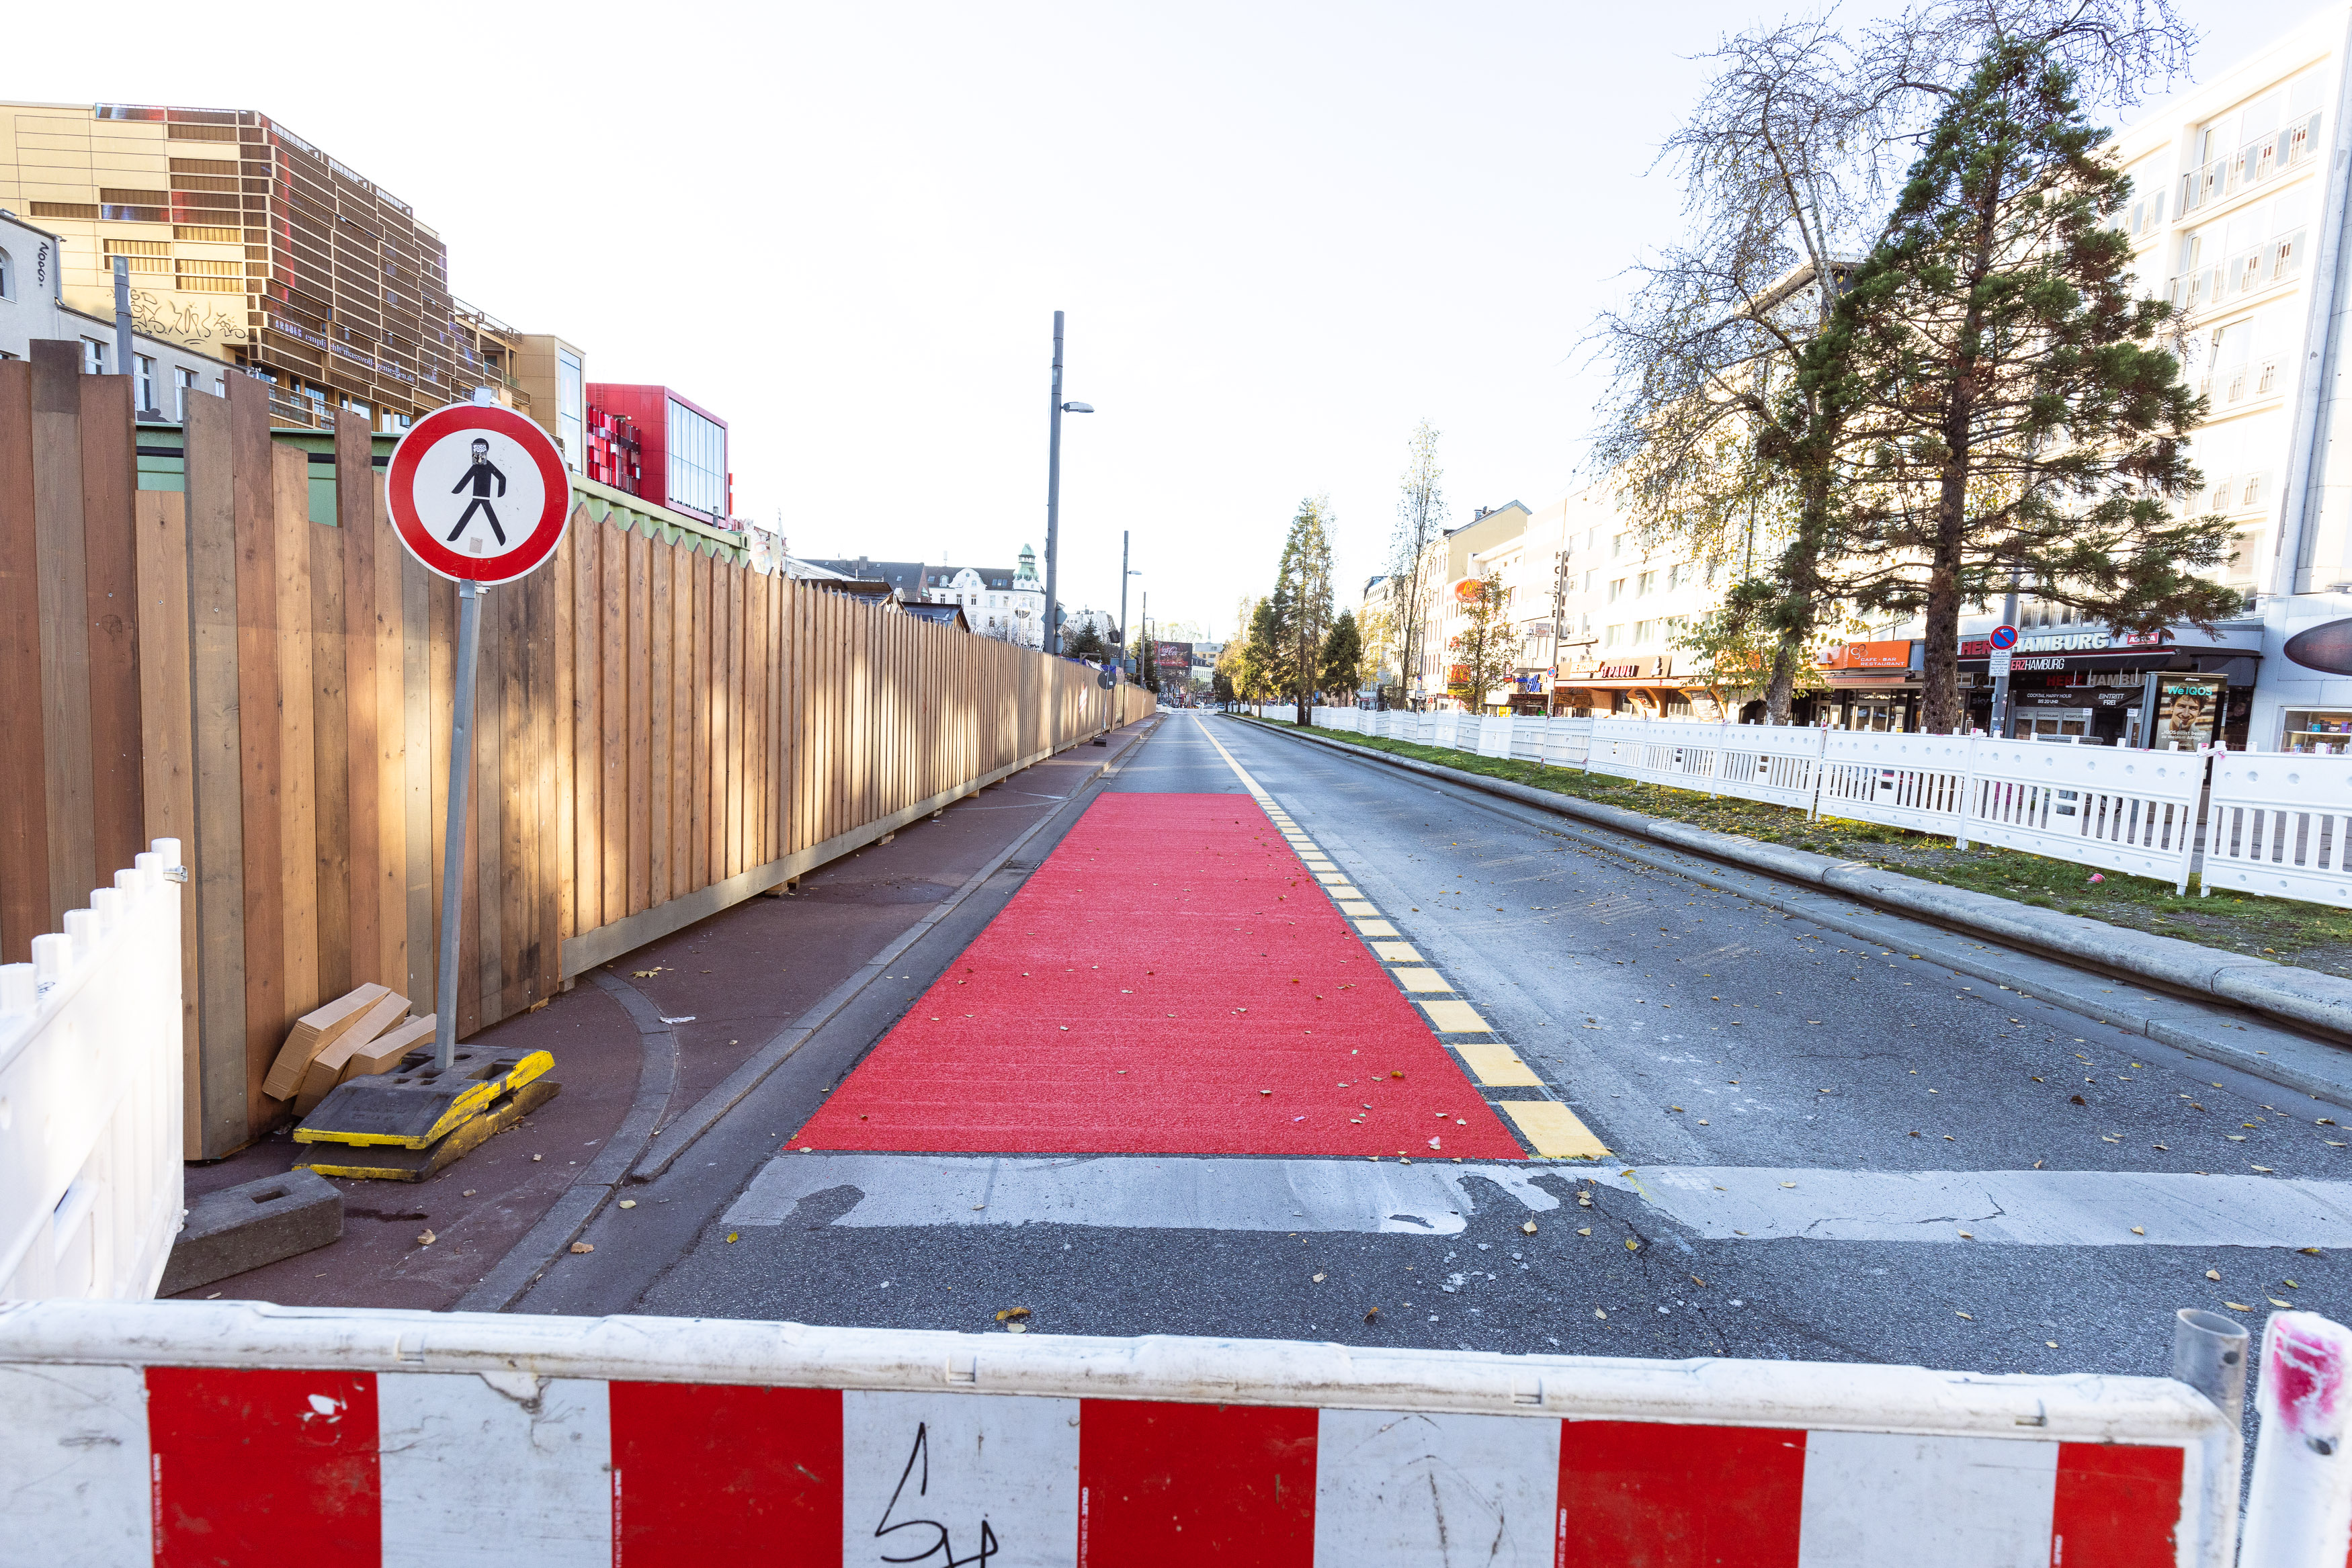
column 1553, row 1129
column 1497, row 1065
column 1456, row 1018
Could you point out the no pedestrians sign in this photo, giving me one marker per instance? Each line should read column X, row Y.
column 478, row 492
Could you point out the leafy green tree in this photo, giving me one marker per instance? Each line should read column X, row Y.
column 1265, row 656
column 1087, row 643
column 1733, row 648
column 1342, row 657
column 2017, row 409
column 1486, row 652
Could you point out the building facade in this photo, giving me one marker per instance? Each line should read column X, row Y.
column 32, row 307
column 680, row 454
column 1004, row 602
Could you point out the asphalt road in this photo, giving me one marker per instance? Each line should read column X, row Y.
column 1818, row 1148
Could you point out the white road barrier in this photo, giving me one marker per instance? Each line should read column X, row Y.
column 90, row 1106
column 2299, row 1501
column 2273, row 823
column 231, row 1432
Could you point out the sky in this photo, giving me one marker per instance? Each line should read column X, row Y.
column 1284, row 234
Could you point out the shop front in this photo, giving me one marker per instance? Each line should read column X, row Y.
column 1624, row 688
column 1871, row 686
column 2138, row 690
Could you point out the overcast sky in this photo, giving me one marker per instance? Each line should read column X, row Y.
column 1283, row 233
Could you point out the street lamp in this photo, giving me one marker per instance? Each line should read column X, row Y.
column 1053, row 498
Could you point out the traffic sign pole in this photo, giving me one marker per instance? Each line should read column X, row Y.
column 453, row 852
column 479, row 494
column 2003, row 639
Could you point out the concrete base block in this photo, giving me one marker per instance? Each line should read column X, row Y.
column 256, row 1222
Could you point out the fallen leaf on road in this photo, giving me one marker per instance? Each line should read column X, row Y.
column 1319, row 1278
column 1373, row 1316
column 468, row 1192
column 1970, row 1316
column 628, row 1202
column 1631, row 1245
column 2276, row 1302
column 584, row 1247
column 425, row 1238
column 2265, row 1169
column 2076, row 1100
column 643, row 973
column 1016, row 1328
column 2214, row 1275
column 1967, row 1236
column 2237, row 1306
column 1599, row 1313
column 1266, row 1090
column 1788, row 1184
column 2051, row 1342
column 1012, row 1314
column 2138, row 1230
column 536, row 1157
column 732, row 1234
column 1529, row 1227
column 1584, row 1230
column 1433, row 1143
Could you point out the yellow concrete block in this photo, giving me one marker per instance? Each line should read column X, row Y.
column 1359, row 909
column 1456, row 1018
column 1497, row 1065
column 1422, row 980
column 1343, row 892
column 1554, row 1130
column 1396, row 953
column 1375, row 928
column 1332, row 878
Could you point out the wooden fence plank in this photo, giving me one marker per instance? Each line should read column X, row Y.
column 109, row 467
column 640, row 732
column 660, row 652
column 681, row 729
column 362, row 894
column 298, row 814
column 587, row 728
column 419, row 833
column 61, row 569
column 259, row 736
column 332, row 702
column 166, row 754
column 613, row 569
column 564, row 574
column 24, row 796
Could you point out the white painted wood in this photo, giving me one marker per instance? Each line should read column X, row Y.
column 960, row 1478
column 1414, row 1489
column 495, row 1467
column 1926, row 1502
column 73, row 1466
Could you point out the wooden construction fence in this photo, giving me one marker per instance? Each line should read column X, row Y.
column 663, row 731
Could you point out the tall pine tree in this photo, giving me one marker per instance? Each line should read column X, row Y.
column 2014, row 409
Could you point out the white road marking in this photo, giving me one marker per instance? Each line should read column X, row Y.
column 2016, row 1209
column 1716, row 1203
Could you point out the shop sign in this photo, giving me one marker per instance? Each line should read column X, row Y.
column 2070, row 642
column 1868, row 656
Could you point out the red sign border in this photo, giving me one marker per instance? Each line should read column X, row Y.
column 400, row 485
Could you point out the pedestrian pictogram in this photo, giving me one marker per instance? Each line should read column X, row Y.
column 478, row 492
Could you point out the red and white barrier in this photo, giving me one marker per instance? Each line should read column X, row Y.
column 2299, row 1499
column 227, row 1432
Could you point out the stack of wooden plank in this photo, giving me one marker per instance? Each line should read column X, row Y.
column 365, row 1031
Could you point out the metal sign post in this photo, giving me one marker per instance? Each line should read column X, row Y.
column 2003, row 640
column 479, row 494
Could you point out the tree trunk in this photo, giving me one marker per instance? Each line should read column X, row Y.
column 1780, row 690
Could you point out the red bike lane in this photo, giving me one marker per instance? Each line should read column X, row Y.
column 1171, row 980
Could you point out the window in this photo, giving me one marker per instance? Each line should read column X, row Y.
column 1645, row 585
column 1613, row 636
column 184, row 382
column 1616, row 545
column 144, row 384
column 1616, row 590
column 698, row 461
column 209, row 276
column 7, row 277
column 93, row 356
column 570, row 406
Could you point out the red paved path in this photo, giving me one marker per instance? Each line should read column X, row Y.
column 1172, row 959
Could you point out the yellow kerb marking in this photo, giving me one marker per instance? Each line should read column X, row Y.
column 1348, row 908
column 1396, row 953
column 1456, row 1018
column 1554, row 1130
column 1375, row 928
column 1332, row 878
column 1497, row 1065
column 1422, row 980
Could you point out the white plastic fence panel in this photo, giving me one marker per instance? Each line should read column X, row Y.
column 1915, row 782
column 1494, row 737
column 90, row 1127
column 2277, row 825
column 1568, row 742
column 2117, row 808
column 1779, row 764
column 1528, row 736
column 1657, row 751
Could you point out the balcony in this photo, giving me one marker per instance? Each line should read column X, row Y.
column 2289, row 147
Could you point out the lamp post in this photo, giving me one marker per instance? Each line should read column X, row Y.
column 1124, row 572
column 1053, row 497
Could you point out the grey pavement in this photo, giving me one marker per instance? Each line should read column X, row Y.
column 1926, row 1167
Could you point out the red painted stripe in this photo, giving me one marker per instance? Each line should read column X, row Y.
column 1170, row 960
column 264, row 1467
column 1644, row 1495
column 2117, row 1506
column 705, row 1474
column 1173, row 1486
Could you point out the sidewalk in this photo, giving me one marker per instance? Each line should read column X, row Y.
column 727, row 984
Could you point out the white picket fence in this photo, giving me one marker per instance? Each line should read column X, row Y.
column 2274, row 824
column 90, row 1128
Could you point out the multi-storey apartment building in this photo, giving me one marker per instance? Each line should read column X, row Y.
column 252, row 247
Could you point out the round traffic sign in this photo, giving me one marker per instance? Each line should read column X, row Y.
column 478, row 492
column 2003, row 637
